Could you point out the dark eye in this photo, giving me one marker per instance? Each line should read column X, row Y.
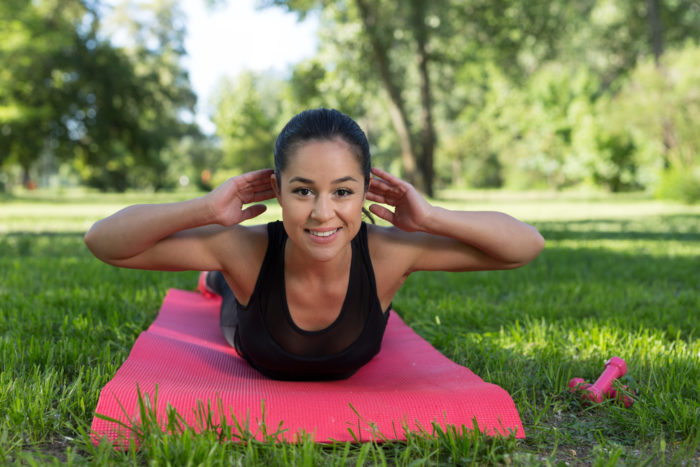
column 302, row 191
column 342, row 192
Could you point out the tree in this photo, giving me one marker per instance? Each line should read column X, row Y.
column 109, row 109
column 612, row 36
column 39, row 77
column 142, row 100
column 246, row 114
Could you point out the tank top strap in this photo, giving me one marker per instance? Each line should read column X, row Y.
column 270, row 275
column 276, row 236
column 363, row 248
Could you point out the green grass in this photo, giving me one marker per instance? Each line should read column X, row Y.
column 619, row 276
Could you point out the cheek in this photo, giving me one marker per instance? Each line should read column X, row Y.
column 353, row 209
column 294, row 208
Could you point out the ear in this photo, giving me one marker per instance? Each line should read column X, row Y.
column 275, row 185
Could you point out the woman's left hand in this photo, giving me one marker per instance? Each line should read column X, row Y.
column 411, row 210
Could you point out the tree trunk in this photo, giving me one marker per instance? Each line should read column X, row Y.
column 656, row 32
column 656, row 37
column 427, row 130
column 397, row 110
column 26, row 178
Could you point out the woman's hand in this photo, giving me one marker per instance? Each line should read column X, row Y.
column 411, row 210
column 227, row 200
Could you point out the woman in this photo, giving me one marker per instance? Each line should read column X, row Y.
column 308, row 297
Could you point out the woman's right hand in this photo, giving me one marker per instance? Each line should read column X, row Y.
column 227, row 200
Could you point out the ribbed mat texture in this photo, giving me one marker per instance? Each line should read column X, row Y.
column 184, row 359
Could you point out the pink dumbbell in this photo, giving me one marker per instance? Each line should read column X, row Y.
column 614, row 368
column 578, row 384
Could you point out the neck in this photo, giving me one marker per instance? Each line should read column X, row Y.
column 303, row 266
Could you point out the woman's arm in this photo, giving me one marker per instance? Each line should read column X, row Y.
column 448, row 240
column 178, row 236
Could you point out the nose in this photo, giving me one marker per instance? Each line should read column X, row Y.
column 323, row 209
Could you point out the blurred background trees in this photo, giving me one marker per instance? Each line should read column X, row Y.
column 452, row 93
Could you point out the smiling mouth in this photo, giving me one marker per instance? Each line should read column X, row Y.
column 327, row 233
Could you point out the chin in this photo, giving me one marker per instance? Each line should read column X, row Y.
column 326, row 252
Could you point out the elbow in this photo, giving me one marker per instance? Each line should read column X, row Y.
column 92, row 242
column 534, row 248
column 528, row 252
column 538, row 245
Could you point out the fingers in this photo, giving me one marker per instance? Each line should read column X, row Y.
column 256, row 186
column 385, row 175
column 379, row 185
column 253, row 178
column 387, row 178
column 377, row 198
column 252, row 211
column 260, row 178
column 262, row 174
column 382, row 212
column 263, row 195
column 381, row 191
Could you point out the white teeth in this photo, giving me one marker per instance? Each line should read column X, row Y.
column 323, row 234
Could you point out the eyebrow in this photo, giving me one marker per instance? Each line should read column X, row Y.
column 311, row 182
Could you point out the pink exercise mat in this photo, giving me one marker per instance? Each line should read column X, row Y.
column 408, row 384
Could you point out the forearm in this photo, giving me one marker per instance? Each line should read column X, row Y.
column 134, row 229
column 498, row 235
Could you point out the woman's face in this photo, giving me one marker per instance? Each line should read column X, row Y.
column 321, row 193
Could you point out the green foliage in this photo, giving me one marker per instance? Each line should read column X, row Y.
column 141, row 100
column 39, row 81
column 522, row 136
column 560, row 127
column 246, row 115
column 680, row 185
column 659, row 106
column 615, row 168
column 67, row 92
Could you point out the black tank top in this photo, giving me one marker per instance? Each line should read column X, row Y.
column 271, row 342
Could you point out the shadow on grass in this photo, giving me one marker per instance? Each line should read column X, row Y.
column 92, row 196
column 42, row 244
column 681, row 227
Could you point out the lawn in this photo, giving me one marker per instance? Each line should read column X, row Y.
column 619, row 276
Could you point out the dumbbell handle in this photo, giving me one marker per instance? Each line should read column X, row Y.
column 614, row 368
